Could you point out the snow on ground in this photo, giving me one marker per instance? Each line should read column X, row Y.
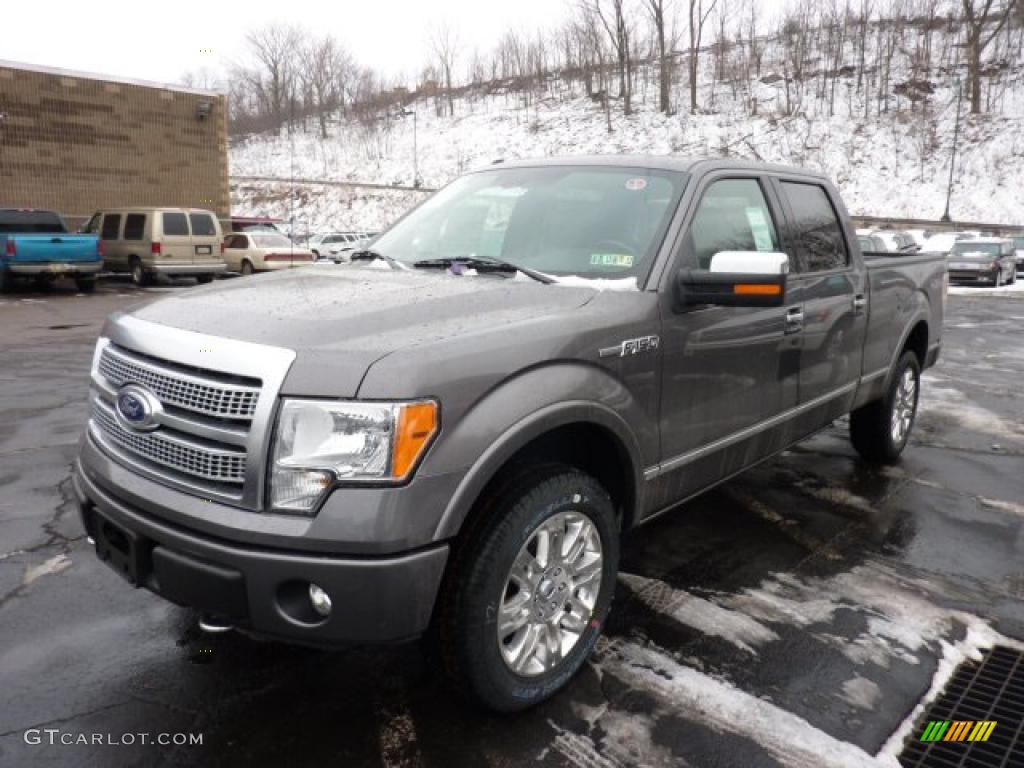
column 981, row 290
column 895, row 164
column 901, row 622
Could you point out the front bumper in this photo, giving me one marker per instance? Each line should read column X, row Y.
column 56, row 268
column 263, row 589
column 963, row 276
column 202, row 268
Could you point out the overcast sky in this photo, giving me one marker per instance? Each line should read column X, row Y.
column 160, row 42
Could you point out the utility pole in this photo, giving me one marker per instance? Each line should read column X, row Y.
column 956, row 135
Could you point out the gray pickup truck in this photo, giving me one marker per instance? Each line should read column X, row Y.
column 446, row 437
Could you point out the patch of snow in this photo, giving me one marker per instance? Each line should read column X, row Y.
column 55, row 564
column 946, row 402
column 861, row 692
column 702, row 615
column 723, row 707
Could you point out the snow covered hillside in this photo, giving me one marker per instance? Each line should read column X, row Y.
column 892, row 164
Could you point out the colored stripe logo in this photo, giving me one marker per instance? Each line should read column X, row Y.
column 958, row 730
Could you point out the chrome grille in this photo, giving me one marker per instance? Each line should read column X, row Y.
column 207, row 462
column 189, row 391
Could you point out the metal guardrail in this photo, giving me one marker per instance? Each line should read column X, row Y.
column 885, row 222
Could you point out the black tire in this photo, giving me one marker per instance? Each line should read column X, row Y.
column 872, row 425
column 465, row 631
column 86, row 284
column 204, row 279
column 6, row 280
column 140, row 276
column 247, row 268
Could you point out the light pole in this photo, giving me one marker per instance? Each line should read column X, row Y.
column 415, row 152
column 956, row 135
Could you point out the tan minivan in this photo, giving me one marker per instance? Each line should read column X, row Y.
column 147, row 242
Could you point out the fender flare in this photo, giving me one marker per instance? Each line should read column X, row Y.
column 526, row 429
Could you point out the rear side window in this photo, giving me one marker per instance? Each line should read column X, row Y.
column 816, row 228
column 111, row 226
column 134, row 226
column 202, row 224
column 31, row 222
column 733, row 216
column 175, row 224
column 237, row 241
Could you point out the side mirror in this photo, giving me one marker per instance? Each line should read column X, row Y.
column 735, row 279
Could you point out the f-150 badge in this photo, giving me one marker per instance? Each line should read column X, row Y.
column 631, row 347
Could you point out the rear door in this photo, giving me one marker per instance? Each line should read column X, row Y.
column 176, row 240
column 729, row 372
column 833, row 295
column 206, row 238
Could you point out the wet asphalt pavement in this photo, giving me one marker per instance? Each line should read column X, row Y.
column 794, row 616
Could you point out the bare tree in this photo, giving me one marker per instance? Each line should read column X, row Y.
column 275, row 48
column 983, row 19
column 660, row 12
column 445, row 42
column 616, row 24
column 700, row 10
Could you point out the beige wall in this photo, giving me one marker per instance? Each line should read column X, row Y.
column 76, row 144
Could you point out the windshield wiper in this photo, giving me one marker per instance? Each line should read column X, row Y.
column 483, row 262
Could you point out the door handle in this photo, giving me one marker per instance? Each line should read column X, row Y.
column 794, row 320
column 860, row 301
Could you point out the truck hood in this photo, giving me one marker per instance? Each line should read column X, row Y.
column 341, row 319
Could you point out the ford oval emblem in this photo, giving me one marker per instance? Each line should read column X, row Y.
column 137, row 408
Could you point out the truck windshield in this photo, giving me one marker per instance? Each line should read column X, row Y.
column 31, row 222
column 563, row 221
column 975, row 249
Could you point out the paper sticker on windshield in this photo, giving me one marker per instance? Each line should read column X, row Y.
column 611, row 260
column 635, row 185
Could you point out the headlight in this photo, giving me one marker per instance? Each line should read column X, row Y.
column 322, row 442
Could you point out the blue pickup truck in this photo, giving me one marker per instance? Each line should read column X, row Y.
column 36, row 243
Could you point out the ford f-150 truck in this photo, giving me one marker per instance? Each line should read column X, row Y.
column 35, row 243
column 447, row 436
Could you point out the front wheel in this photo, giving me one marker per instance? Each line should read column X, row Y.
column 528, row 592
column 880, row 430
column 204, row 279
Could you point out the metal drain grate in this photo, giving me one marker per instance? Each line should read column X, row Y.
column 977, row 721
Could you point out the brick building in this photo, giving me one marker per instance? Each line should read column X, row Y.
column 76, row 143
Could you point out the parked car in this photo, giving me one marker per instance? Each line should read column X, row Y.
column 36, row 243
column 1018, row 246
column 335, row 245
column 872, row 244
column 146, row 242
column 254, row 224
column 249, row 252
column 983, row 260
column 427, row 441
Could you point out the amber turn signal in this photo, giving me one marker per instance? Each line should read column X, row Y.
column 417, row 425
column 757, row 289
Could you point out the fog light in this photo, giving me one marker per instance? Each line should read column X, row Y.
column 321, row 600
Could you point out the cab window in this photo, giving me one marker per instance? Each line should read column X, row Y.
column 816, row 228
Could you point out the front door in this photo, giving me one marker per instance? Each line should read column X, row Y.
column 729, row 372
